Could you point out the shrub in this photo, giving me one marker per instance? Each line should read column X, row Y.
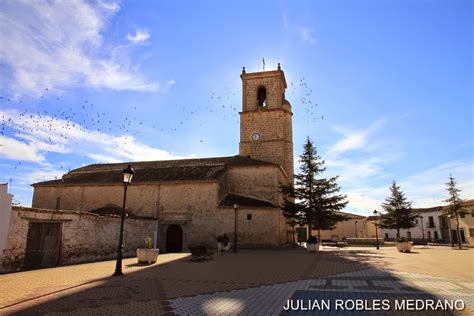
column 312, row 240
column 148, row 243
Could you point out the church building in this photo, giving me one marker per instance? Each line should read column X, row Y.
column 196, row 200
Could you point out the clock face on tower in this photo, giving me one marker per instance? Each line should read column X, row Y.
column 255, row 136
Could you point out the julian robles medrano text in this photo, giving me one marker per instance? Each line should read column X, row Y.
column 375, row 305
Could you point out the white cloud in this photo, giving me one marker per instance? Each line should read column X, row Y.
column 361, row 203
column 139, row 36
column 307, row 35
column 354, row 139
column 361, row 159
column 11, row 148
column 428, row 187
column 59, row 45
column 168, row 86
column 39, row 134
column 353, row 170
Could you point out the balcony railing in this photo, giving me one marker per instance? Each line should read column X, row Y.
column 430, row 225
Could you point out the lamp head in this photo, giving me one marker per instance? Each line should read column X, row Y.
column 128, row 174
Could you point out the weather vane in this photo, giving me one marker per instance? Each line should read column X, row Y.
column 263, row 61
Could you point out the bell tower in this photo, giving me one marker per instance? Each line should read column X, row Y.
column 266, row 131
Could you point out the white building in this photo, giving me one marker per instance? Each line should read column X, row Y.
column 430, row 226
column 5, row 214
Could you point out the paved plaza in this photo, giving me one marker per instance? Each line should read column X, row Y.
column 250, row 282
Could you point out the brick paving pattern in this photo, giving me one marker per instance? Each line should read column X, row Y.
column 249, row 282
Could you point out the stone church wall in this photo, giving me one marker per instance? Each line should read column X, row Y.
column 84, row 236
column 191, row 205
column 142, row 200
column 275, row 144
column 262, row 230
column 185, row 196
column 257, row 181
column 271, row 80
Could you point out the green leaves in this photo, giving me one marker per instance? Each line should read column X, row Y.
column 313, row 200
column 398, row 212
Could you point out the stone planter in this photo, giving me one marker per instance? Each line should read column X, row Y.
column 220, row 246
column 404, row 246
column 145, row 255
column 312, row 247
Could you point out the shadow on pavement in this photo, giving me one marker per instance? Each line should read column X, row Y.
column 239, row 283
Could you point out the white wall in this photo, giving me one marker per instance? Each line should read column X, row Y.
column 417, row 232
column 5, row 214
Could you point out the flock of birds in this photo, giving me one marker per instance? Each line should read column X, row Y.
column 58, row 126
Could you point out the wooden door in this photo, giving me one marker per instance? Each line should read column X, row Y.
column 174, row 239
column 42, row 245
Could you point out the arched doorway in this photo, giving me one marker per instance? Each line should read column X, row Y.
column 174, row 239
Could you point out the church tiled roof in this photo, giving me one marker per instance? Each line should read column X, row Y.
column 243, row 201
column 156, row 171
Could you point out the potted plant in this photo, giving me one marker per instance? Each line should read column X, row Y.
column 147, row 254
column 404, row 245
column 223, row 243
column 220, row 241
column 312, row 244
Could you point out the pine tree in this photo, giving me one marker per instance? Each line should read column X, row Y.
column 454, row 206
column 398, row 212
column 313, row 201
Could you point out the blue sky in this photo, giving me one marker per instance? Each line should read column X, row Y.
column 383, row 88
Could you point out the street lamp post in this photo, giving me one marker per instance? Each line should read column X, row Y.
column 127, row 179
column 235, row 227
column 356, row 228
column 376, row 229
column 422, row 230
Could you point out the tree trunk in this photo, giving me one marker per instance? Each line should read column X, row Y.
column 458, row 231
column 398, row 233
column 293, row 234
column 319, row 235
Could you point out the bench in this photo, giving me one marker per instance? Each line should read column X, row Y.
column 199, row 253
column 420, row 243
column 332, row 243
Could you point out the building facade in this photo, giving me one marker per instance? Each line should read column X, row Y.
column 350, row 228
column 196, row 200
column 431, row 226
column 5, row 215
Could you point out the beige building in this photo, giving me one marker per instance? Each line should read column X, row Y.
column 466, row 224
column 193, row 199
column 353, row 227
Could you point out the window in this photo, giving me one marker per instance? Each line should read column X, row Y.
column 442, row 222
column 262, row 96
column 386, row 236
column 431, row 222
column 249, row 217
column 409, row 235
column 58, row 203
column 471, row 232
column 436, row 236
